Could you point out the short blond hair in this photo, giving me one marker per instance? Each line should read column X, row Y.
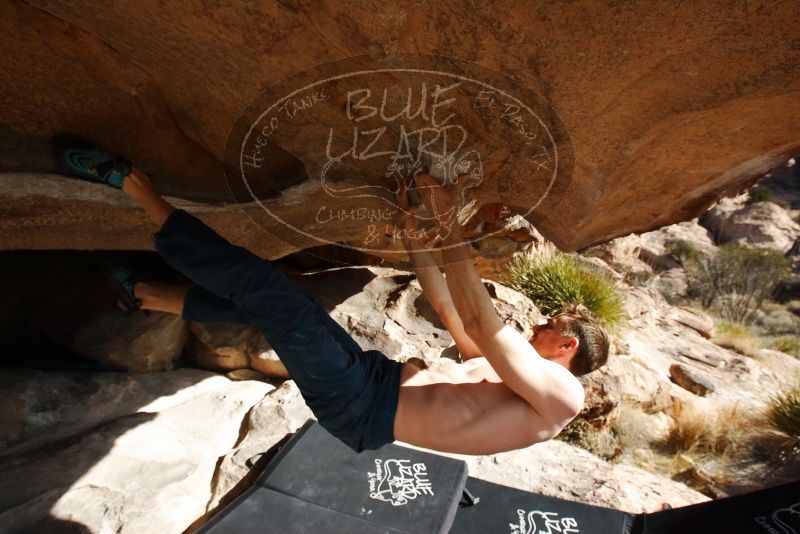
column 593, row 340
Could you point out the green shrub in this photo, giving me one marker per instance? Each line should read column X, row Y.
column 561, row 279
column 783, row 414
column 737, row 279
column 762, row 193
column 788, row 344
column 728, row 328
column 737, row 337
column 682, row 250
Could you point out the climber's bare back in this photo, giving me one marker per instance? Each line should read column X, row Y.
column 464, row 408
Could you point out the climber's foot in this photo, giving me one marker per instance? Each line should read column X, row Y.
column 90, row 162
column 162, row 297
column 124, row 282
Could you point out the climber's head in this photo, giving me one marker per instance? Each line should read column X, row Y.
column 572, row 339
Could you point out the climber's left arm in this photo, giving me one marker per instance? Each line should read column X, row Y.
column 434, row 287
column 430, row 278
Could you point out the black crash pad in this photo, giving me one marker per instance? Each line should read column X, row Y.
column 262, row 510
column 774, row 510
column 317, row 484
column 399, row 488
column 508, row 510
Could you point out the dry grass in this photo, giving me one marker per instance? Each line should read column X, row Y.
column 719, row 442
column 709, row 448
column 742, row 339
column 720, row 432
column 725, row 436
column 787, row 344
column 737, row 337
column 731, row 439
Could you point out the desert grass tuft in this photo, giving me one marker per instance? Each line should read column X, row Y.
column 787, row 344
column 783, row 416
column 721, row 432
column 561, row 279
column 737, row 337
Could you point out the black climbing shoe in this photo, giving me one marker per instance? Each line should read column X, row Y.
column 90, row 161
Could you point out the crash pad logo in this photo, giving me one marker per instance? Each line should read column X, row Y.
column 783, row 521
column 321, row 158
column 538, row 522
column 398, row 481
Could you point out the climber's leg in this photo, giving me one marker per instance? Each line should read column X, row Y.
column 190, row 301
column 195, row 303
column 352, row 393
column 203, row 305
column 253, row 284
column 137, row 186
column 224, row 269
column 161, row 297
column 339, row 334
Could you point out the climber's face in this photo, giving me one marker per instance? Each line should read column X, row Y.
column 551, row 344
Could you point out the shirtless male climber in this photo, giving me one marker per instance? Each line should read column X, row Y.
column 511, row 392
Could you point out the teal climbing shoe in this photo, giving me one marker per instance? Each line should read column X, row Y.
column 123, row 281
column 90, row 161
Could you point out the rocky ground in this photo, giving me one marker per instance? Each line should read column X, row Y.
column 675, row 369
column 160, row 448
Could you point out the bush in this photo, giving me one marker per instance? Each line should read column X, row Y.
column 783, row 414
column 762, row 193
column 682, row 251
column 777, row 320
column 737, row 279
column 788, row 344
column 737, row 337
column 726, row 328
column 561, row 279
column 717, row 431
